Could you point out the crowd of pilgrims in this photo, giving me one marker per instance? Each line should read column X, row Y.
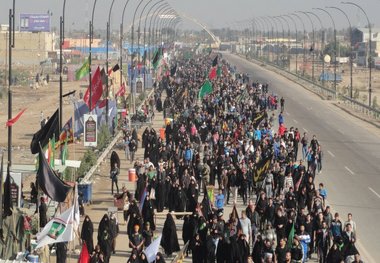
column 218, row 142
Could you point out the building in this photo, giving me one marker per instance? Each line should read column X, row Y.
column 362, row 35
column 360, row 38
column 30, row 47
column 81, row 43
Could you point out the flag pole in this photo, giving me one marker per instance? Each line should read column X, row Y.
column 1, row 199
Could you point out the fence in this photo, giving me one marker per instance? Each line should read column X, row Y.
column 326, row 92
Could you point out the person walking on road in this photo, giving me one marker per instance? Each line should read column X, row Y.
column 132, row 149
column 281, row 119
column 304, row 142
column 282, row 103
column 114, row 177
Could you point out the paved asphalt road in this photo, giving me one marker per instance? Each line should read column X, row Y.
column 351, row 147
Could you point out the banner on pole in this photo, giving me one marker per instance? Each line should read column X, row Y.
column 90, row 130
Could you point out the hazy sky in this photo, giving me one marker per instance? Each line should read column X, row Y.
column 213, row 13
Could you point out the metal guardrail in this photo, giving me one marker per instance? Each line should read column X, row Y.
column 88, row 176
column 328, row 93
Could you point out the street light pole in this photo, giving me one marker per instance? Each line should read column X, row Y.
column 167, row 25
column 138, row 37
column 335, row 47
column 277, row 37
column 312, row 47
column 304, row 41
column 288, row 51
column 351, row 58
column 295, row 26
column 145, row 52
column 178, row 22
column 272, row 33
column 283, row 37
column 267, row 27
column 121, row 43
column 90, row 59
column 167, row 18
column 322, row 47
column 156, row 23
column 370, row 51
column 108, row 39
column 11, row 44
column 61, row 42
column 132, row 57
column 152, row 30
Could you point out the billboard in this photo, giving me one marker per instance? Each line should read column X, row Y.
column 34, row 22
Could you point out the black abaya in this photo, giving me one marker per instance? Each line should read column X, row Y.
column 87, row 234
column 169, row 239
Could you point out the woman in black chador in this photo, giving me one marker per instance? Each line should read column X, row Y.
column 169, row 239
column 105, row 237
column 148, row 212
column 87, row 234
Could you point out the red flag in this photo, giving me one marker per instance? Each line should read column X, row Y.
column 121, row 91
column 102, row 103
column 84, row 255
column 13, row 120
column 97, row 90
column 212, row 73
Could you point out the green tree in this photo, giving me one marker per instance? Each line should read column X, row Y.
column 344, row 51
column 374, row 102
column 87, row 161
column 104, row 136
column 356, row 94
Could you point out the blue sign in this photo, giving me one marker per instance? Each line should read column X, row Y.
column 34, row 22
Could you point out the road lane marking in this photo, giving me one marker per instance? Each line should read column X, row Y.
column 305, row 130
column 373, row 191
column 332, row 155
column 295, row 121
column 348, row 169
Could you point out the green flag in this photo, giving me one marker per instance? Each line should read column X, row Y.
column 205, row 89
column 83, row 70
column 219, row 71
column 52, row 157
column 157, row 58
column 289, row 244
column 64, row 153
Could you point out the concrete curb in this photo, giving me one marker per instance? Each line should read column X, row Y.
column 88, row 177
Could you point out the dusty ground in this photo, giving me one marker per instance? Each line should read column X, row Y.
column 45, row 99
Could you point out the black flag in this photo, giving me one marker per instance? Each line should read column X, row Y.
column 115, row 68
column 144, row 57
column 215, row 61
column 258, row 118
column 157, row 56
column 261, row 168
column 206, row 204
column 49, row 181
column 235, row 215
column 173, row 70
column 69, row 93
column 8, row 206
column 47, row 132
